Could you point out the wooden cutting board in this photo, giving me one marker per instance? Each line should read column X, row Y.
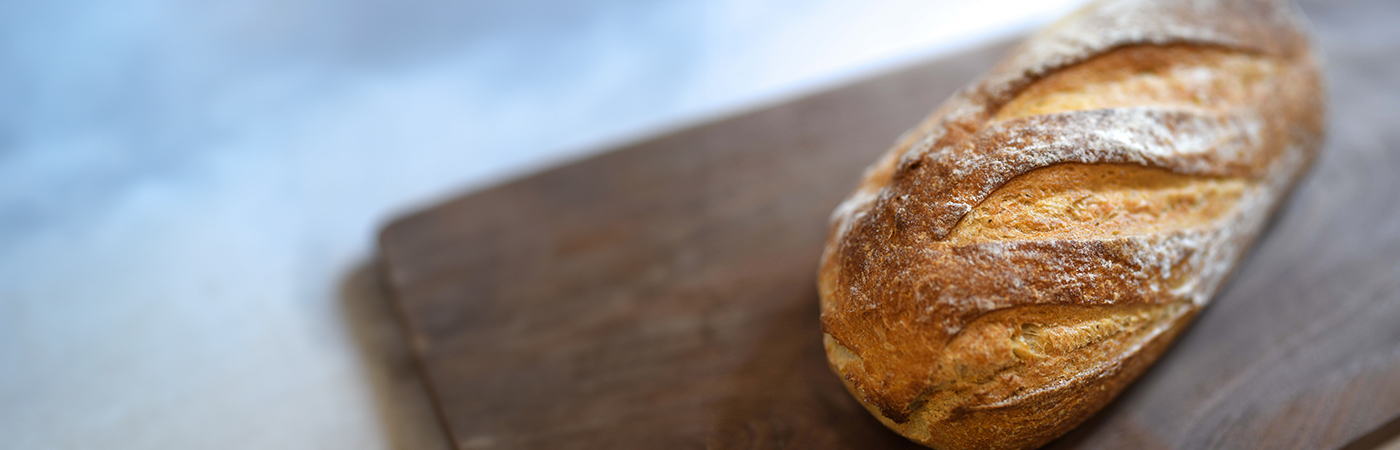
column 662, row 295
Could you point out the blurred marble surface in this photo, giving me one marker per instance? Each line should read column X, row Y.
column 189, row 190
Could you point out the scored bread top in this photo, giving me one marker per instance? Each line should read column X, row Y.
column 1118, row 163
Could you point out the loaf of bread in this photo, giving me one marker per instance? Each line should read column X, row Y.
column 1034, row 245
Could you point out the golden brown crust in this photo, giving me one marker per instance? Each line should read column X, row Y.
column 1024, row 253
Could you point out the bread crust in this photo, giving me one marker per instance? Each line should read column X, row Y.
column 1030, row 248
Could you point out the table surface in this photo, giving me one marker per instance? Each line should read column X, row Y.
column 662, row 294
column 189, row 191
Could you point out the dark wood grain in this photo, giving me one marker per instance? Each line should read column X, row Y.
column 662, row 295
